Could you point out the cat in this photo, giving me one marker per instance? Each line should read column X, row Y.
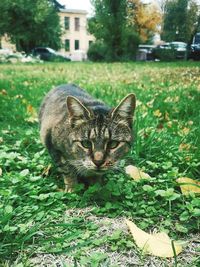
column 84, row 137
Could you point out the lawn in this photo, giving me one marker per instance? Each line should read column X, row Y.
column 42, row 226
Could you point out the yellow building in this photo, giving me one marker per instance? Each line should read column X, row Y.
column 75, row 35
column 6, row 44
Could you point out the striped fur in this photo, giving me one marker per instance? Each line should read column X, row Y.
column 84, row 136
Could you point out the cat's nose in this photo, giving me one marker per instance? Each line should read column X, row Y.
column 98, row 158
column 98, row 163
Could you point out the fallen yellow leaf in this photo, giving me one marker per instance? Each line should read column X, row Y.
column 32, row 113
column 158, row 244
column 3, row 92
column 184, row 131
column 166, row 116
column 136, row 173
column 190, row 122
column 188, row 185
column 30, row 109
column 184, row 146
column 169, row 124
column 46, row 170
column 1, row 171
column 157, row 113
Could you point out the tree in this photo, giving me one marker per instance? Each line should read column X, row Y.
column 180, row 20
column 109, row 23
column 109, row 26
column 56, row 4
column 30, row 23
column 193, row 20
column 145, row 18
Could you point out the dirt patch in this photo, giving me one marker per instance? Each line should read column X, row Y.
column 127, row 258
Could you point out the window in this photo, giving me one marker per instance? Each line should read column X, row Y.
column 66, row 23
column 76, row 44
column 67, row 45
column 77, row 24
column 90, row 42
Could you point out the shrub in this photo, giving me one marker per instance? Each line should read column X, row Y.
column 130, row 44
column 97, row 51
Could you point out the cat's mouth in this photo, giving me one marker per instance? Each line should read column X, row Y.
column 97, row 171
column 100, row 169
column 108, row 165
column 90, row 169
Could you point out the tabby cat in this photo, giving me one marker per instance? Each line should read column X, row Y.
column 84, row 136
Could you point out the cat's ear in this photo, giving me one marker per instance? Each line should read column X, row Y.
column 77, row 110
column 125, row 109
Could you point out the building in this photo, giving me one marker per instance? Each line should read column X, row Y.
column 5, row 43
column 75, row 35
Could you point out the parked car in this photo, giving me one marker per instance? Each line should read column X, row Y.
column 48, row 54
column 180, row 48
column 145, row 52
column 170, row 51
column 194, row 52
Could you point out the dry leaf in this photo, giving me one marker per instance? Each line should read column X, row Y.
column 136, row 173
column 188, row 185
column 184, row 131
column 30, row 109
column 169, row 124
column 172, row 99
column 18, row 97
column 150, row 103
column 157, row 113
column 46, row 170
column 1, row 171
column 166, row 116
column 3, row 92
column 33, row 117
column 184, row 147
column 190, row 122
column 158, row 244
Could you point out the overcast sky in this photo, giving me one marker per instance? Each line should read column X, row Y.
column 86, row 5
column 82, row 4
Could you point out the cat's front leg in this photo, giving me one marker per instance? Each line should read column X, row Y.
column 69, row 183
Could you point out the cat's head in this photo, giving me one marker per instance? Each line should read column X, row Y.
column 99, row 139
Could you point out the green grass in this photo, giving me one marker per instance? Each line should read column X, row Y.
column 32, row 210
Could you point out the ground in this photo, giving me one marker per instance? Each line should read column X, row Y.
column 42, row 226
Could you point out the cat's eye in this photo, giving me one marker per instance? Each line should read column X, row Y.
column 113, row 144
column 86, row 144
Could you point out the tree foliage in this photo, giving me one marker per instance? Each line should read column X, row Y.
column 30, row 23
column 180, row 20
column 145, row 18
column 111, row 28
column 109, row 25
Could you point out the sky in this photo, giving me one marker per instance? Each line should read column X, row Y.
column 86, row 5
column 77, row 4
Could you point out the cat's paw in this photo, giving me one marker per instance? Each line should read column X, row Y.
column 69, row 184
column 68, row 189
